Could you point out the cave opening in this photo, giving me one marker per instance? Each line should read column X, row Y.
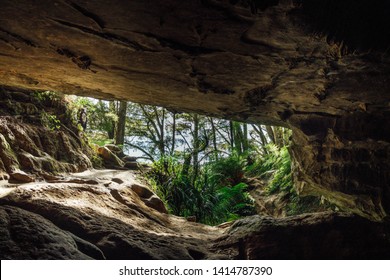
column 320, row 68
column 205, row 169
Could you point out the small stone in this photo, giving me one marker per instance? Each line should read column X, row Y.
column 4, row 176
column 21, row 177
column 117, row 180
column 129, row 158
column 142, row 191
column 131, row 165
column 109, row 157
column 113, row 148
column 156, row 203
column 191, row 219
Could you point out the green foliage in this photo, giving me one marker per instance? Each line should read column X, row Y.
column 228, row 171
column 48, row 98
column 101, row 118
column 100, row 141
column 50, row 121
column 275, row 167
column 97, row 161
column 213, row 198
column 281, row 179
column 200, row 164
column 236, row 201
column 45, row 95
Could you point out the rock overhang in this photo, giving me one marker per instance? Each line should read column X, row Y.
column 275, row 62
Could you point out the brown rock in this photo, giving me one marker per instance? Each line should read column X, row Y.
column 3, row 175
column 117, row 180
column 92, row 221
column 26, row 144
column 8, row 159
column 141, row 191
column 288, row 63
column 309, row 236
column 25, row 235
column 132, row 165
column 109, row 157
column 129, row 158
column 21, row 177
column 156, row 203
column 191, row 219
column 3, row 171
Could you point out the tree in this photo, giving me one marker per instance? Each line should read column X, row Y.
column 121, row 124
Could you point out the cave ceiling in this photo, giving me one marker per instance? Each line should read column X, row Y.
column 260, row 61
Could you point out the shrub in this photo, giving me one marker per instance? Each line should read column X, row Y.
column 214, row 197
column 50, row 121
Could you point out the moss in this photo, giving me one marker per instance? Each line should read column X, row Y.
column 97, row 162
column 7, row 155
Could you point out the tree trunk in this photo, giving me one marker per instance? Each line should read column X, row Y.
column 214, row 134
column 263, row 139
column 270, row 133
column 111, row 132
column 231, row 135
column 196, row 144
column 245, row 142
column 173, row 133
column 121, row 124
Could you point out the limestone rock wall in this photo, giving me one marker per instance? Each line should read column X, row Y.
column 29, row 144
column 346, row 160
column 309, row 236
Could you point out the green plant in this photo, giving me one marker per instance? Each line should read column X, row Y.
column 213, row 198
column 235, row 202
column 97, row 161
column 50, row 121
column 281, row 179
column 48, row 97
column 228, row 171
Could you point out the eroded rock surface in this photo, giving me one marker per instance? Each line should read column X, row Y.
column 319, row 67
column 108, row 220
column 25, row 235
column 30, row 145
column 308, row 236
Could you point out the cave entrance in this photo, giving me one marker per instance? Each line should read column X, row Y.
column 206, row 169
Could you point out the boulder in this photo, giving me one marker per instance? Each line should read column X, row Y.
column 113, row 148
column 324, row 235
column 132, row 165
column 156, row 203
column 191, row 219
column 129, row 158
column 142, row 191
column 25, row 235
column 109, row 158
column 59, row 221
column 117, row 180
column 149, row 198
column 21, row 177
